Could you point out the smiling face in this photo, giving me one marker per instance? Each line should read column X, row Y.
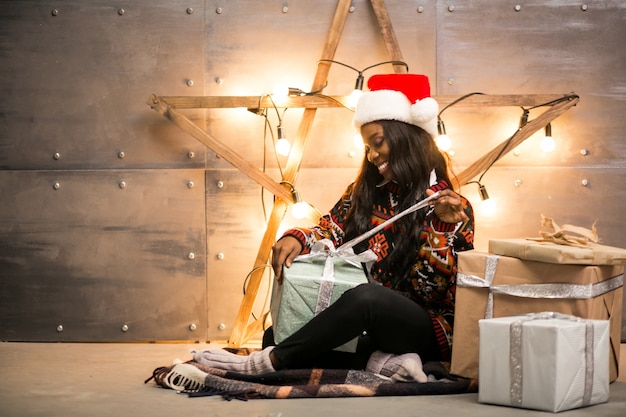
column 377, row 148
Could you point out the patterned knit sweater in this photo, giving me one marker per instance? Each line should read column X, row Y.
column 431, row 280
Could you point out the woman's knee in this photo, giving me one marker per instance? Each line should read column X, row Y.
column 368, row 295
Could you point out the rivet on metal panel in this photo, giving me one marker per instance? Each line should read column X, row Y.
column 54, row 12
column 219, row 10
column 285, row 8
column 584, row 152
column 584, row 7
column 218, row 80
column 584, row 183
column 450, row 81
column 221, row 326
column 220, row 184
column 189, row 83
column 125, row 328
column 122, row 184
column 420, row 9
column 351, row 9
column 56, row 156
column 121, row 12
column 518, row 182
column 220, row 256
column 121, row 154
column 192, row 327
column 56, row 185
column 518, row 7
column 190, row 184
column 60, row 328
column 517, row 152
column 191, row 256
column 450, row 8
column 191, row 154
column 189, row 10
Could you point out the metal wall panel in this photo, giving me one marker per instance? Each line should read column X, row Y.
column 75, row 77
column 93, row 251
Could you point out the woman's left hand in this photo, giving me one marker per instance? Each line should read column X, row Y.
column 448, row 206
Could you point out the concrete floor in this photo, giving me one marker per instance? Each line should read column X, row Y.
column 63, row 379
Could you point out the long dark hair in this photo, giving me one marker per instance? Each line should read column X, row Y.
column 413, row 154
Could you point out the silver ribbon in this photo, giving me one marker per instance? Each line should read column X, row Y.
column 326, row 249
column 516, row 334
column 551, row 291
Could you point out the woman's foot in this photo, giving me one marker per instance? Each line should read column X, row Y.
column 256, row 363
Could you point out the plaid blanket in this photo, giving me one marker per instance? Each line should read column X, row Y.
column 318, row 383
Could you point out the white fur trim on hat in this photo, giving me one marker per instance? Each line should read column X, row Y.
column 382, row 105
column 394, row 105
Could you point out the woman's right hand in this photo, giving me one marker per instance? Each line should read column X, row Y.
column 283, row 253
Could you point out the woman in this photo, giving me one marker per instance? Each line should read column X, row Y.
column 409, row 317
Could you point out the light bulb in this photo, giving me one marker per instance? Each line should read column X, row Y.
column 358, row 141
column 282, row 144
column 283, row 147
column 488, row 207
column 354, row 97
column 299, row 210
column 547, row 143
column 443, row 142
column 280, row 92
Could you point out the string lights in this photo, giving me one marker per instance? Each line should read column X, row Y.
column 354, row 96
column 300, row 208
column 547, row 144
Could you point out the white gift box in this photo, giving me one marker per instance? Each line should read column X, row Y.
column 543, row 361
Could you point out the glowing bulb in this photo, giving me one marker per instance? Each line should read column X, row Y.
column 283, row 147
column 280, row 90
column 488, row 207
column 443, row 142
column 358, row 141
column 547, row 144
column 299, row 210
column 354, row 97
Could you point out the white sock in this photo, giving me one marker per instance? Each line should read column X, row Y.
column 403, row 368
column 256, row 363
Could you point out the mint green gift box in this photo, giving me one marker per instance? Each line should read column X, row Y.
column 312, row 283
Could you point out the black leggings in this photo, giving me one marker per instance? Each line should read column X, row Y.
column 391, row 322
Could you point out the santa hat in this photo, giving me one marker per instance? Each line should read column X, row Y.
column 402, row 97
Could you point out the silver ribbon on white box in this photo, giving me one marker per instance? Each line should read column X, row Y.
column 554, row 291
column 516, row 335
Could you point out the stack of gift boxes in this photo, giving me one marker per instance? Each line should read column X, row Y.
column 554, row 358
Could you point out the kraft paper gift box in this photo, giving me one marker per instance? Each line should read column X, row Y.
column 500, row 286
column 312, row 283
column 546, row 361
column 534, row 250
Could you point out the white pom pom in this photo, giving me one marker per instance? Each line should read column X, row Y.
column 424, row 110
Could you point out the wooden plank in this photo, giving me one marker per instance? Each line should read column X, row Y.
column 316, row 101
column 254, row 102
column 220, row 148
column 241, row 332
column 389, row 36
